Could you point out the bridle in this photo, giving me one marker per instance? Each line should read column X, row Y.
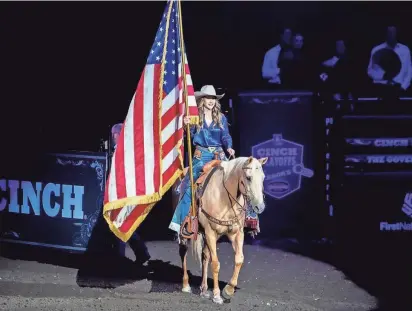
column 246, row 194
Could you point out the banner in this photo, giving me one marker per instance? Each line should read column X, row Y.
column 375, row 193
column 377, row 162
column 57, row 204
column 372, row 204
column 279, row 126
column 380, row 143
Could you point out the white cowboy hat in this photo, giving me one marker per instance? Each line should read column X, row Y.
column 207, row 90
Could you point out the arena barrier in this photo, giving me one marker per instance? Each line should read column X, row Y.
column 280, row 126
column 373, row 171
column 56, row 203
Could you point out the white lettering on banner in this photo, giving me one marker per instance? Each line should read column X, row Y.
column 375, row 159
column 391, row 143
column 399, row 159
column 279, row 156
column 33, row 198
column 396, row 159
column 399, row 226
column 279, row 174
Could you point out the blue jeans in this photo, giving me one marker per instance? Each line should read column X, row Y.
column 183, row 207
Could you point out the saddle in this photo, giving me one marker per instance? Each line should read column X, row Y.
column 205, row 170
column 189, row 228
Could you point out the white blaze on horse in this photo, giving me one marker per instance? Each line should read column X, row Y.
column 228, row 189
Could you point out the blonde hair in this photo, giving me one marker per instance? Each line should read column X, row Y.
column 216, row 113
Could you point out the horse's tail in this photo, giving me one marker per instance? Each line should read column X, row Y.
column 197, row 247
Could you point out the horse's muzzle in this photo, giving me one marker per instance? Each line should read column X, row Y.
column 258, row 209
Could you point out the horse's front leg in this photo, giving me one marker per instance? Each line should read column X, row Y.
column 237, row 244
column 183, row 256
column 211, row 240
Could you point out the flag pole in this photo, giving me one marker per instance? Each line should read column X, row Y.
column 189, row 140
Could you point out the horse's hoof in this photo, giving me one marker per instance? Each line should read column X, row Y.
column 218, row 300
column 228, row 291
column 205, row 294
column 187, row 290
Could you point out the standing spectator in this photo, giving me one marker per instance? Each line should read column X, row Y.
column 294, row 69
column 384, row 66
column 270, row 68
column 338, row 73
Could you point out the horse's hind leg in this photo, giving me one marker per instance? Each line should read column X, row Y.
column 237, row 244
column 183, row 256
column 205, row 264
column 211, row 240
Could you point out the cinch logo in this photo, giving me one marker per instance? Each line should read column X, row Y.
column 36, row 197
column 284, row 168
column 380, row 142
column 400, row 226
column 391, row 142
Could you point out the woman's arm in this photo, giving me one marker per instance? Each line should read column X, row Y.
column 226, row 138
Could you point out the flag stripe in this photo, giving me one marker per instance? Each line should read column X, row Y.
column 139, row 137
column 148, row 145
column 119, row 167
column 175, row 165
column 170, row 100
column 174, row 122
column 156, row 128
column 172, row 139
column 129, row 221
column 129, row 158
column 169, row 159
column 111, row 185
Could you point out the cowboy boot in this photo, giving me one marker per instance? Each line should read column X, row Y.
column 184, row 231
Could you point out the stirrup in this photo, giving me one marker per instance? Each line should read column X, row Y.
column 184, row 232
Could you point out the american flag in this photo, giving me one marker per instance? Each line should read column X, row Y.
column 149, row 154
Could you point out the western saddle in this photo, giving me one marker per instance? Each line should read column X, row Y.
column 189, row 227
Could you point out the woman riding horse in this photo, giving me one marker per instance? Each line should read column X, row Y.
column 211, row 139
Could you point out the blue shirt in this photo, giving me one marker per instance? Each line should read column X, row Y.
column 213, row 135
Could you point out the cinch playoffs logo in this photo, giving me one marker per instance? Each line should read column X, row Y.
column 284, row 168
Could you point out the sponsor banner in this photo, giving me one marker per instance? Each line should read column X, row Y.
column 381, row 143
column 278, row 125
column 378, row 162
column 284, row 168
column 375, row 203
column 55, row 205
column 406, row 209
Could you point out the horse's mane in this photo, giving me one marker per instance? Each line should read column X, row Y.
column 233, row 166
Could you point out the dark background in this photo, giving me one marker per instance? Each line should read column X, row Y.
column 69, row 69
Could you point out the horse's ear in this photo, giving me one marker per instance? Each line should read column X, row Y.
column 263, row 160
column 249, row 160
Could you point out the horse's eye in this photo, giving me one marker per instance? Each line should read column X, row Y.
column 249, row 178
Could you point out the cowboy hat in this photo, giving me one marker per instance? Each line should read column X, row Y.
column 208, row 90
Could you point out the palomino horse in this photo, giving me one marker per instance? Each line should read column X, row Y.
column 228, row 190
